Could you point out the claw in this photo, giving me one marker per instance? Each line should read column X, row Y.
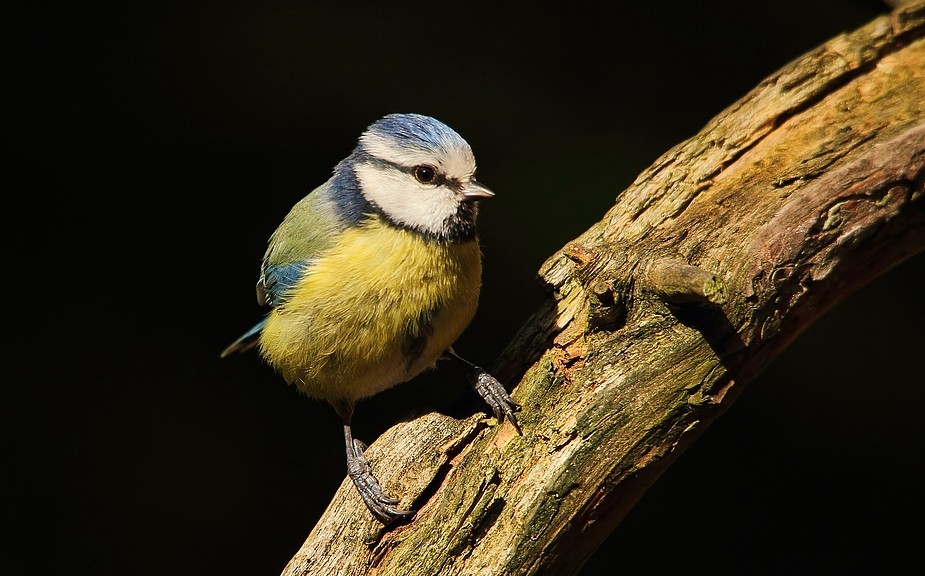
column 381, row 504
column 491, row 390
column 497, row 398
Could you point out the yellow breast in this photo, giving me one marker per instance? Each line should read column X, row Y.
column 376, row 309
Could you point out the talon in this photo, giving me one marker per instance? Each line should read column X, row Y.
column 381, row 504
column 491, row 390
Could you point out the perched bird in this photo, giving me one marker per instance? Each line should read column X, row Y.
column 373, row 275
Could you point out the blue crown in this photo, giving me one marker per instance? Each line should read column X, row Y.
column 418, row 132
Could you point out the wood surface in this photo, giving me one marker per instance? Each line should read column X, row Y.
column 704, row 269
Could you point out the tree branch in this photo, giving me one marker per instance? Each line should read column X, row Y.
column 706, row 267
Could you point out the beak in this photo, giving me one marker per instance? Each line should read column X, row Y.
column 475, row 191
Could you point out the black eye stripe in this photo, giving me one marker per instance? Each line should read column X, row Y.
column 440, row 179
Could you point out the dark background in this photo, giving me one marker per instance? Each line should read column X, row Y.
column 158, row 145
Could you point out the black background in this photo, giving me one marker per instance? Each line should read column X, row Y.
column 156, row 147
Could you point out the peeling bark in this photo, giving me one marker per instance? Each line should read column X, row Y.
column 705, row 268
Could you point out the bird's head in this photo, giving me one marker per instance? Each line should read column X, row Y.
column 420, row 174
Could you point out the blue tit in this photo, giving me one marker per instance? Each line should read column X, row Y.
column 373, row 275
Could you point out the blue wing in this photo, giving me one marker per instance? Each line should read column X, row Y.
column 272, row 289
column 276, row 281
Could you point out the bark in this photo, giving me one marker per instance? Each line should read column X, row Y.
column 706, row 267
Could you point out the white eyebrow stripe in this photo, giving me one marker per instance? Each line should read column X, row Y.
column 457, row 163
column 385, row 149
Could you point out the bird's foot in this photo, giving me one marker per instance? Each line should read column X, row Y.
column 497, row 398
column 382, row 505
column 491, row 390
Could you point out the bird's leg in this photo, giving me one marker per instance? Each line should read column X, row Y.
column 379, row 503
column 490, row 390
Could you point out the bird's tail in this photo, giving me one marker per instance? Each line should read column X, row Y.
column 247, row 340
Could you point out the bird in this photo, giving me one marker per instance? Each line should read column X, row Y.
column 373, row 275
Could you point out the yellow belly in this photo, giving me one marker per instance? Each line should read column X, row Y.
column 377, row 309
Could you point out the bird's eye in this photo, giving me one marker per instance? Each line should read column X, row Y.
column 425, row 174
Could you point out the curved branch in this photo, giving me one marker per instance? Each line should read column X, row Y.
column 703, row 271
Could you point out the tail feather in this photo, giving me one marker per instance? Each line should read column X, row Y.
column 247, row 340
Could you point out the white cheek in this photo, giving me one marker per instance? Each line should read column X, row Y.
column 406, row 201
